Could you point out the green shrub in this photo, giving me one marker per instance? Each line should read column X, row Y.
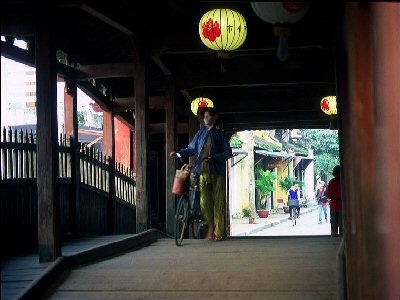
column 246, row 212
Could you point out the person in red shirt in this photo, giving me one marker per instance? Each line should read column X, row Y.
column 333, row 192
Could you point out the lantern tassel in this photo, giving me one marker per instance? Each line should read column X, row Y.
column 282, row 52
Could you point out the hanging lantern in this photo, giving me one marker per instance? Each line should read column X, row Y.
column 222, row 29
column 279, row 13
column 200, row 103
column 328, row 105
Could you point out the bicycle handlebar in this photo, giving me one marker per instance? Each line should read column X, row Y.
column 180, row 158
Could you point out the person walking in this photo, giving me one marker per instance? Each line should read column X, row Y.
column 212, row 150
column 322, row 202
column 333, row 192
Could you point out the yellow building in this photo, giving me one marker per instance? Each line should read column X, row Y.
column 269, row 154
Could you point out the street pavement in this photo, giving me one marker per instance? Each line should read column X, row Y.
column 307, row 224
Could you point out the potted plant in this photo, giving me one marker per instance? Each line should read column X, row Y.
column 264, row 186
column 286, row 183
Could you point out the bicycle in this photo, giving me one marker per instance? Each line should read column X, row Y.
column 188, row 209
column 294, row 204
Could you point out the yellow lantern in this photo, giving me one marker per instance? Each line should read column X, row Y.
column 200, row 103
column 328, row 105
column 222, row 29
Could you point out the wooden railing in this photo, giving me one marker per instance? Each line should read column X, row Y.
column 124, row 189
column 91, row 209
column 18, row 160
column 94, row 168
column 18, row 154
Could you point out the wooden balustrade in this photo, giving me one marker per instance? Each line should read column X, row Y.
column 91, row 215
column 18, row 160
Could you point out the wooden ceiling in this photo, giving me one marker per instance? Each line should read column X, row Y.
column 251, row 89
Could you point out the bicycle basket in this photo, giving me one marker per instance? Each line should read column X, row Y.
column 181, row 180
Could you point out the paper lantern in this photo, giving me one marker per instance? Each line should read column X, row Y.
column 328, row 105
column 222, row 29
column 200, row 103
column 280, row 12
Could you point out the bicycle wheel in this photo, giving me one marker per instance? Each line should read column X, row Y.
column 196, row 228
column 181, row 219
column 294, row 216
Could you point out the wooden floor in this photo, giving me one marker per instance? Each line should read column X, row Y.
column 17, row 273
column 281, row 268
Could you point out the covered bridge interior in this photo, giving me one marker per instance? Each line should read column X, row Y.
column 143, row 63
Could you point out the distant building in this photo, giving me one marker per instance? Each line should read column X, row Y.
column 18, row 103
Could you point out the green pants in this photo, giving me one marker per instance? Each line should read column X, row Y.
column 212, row 201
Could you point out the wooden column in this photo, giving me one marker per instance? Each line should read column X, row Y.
column 359, row 149
column 122, row 148
column 142, row 150
column 344, row 150
column 370, row 123
column 108, row 133
column 71, row 130
column 385, row 30
column 47, row 154
column 194, row 126
column 249, row 146
column 109, row 151
column 131, row 150
column 170, row 163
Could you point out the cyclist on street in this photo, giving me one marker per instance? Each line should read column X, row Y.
column 294, row 195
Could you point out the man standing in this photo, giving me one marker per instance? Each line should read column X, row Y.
column 212, row 151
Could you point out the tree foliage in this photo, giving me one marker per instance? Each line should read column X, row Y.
column 287, row 182
column 265, row 182
column 325, row 144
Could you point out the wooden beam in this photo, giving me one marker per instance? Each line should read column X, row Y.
column 127, row 119
column 95, row 94
column 142, row 149
column 128, row 103
column 96, row 13
column 105, row 71
column 277, row 104
column 47, row 147
column 272, row 120
column 186, row 95
column 284, row 77
column 170, row 163
column 26, row 57
column 157, row 60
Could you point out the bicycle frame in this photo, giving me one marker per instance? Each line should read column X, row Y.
column 190, row 203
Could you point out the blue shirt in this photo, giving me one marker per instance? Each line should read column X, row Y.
column 293, row 194
column 220, row 150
